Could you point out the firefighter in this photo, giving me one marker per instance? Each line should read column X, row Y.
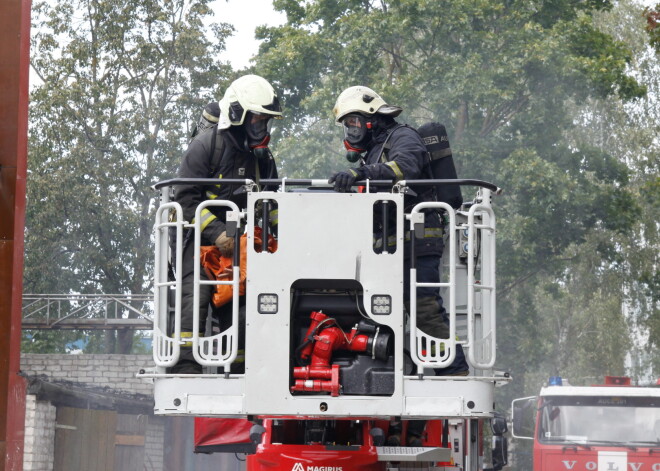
column 368, row 123
column 397, row 152
column 237, row 148
column 386, row 150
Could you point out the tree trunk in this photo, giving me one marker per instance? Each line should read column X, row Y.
column 124, row 341
column 462, row 121
column 109, row 344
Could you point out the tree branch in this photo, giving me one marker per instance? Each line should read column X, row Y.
column 399, row 57
column 502, row 293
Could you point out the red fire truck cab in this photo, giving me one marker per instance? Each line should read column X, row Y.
column 610, row 427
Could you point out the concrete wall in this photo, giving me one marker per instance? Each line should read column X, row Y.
column 117, row 374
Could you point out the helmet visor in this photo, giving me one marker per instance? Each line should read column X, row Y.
column 355, row 128
column 257, row 126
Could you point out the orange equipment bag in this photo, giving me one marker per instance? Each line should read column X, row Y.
column 219, row 267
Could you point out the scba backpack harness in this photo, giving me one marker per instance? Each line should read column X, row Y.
column 440, row 160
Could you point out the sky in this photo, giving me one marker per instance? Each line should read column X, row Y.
column 245, row 16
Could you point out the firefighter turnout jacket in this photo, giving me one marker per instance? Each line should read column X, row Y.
column 404, row 158
column 222, row 154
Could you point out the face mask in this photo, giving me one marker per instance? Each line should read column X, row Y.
column 260, row 150
column 352, row 154
column 257, row 128
column 357, row 131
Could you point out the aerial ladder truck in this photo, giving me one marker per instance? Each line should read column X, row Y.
column 331, row 355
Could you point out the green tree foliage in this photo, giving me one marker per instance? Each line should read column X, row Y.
column 607, row 304
column 533, row 94
column 119, row 84
column 644, row 262
column 652, row 16
column 504, row 76
column 630, row 132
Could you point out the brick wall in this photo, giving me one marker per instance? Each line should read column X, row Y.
column 116, row 372
column 113, row 371
column 153, row 447
column 39, row 435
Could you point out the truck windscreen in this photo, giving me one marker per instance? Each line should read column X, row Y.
column 606, row 420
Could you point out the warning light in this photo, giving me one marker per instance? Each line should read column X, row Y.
column 555, row 381
column 617, row 380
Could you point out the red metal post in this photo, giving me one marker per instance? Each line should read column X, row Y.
column 14, row 71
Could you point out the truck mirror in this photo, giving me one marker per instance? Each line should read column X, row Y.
column 523, row 415
column 500, row 452
column 256, row 432
column 498, row 424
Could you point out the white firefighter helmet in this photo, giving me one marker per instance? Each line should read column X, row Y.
column 363, row 100
column 249, row 93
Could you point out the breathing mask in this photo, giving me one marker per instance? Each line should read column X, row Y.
column 357, row 134
column 257, row 128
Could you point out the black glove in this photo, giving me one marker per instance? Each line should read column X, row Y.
column 344, row 180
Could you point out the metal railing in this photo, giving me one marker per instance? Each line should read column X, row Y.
column 482, row 351
column 87, row 311
column 431, row 352
column 166, row 349
column 220, row 349
column 216, row 350
column 427, row 351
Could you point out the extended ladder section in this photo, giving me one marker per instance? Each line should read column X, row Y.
column 323, row 320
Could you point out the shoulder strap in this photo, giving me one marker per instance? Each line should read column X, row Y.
column 217, row 149
column 386, row 147
column 385, row 150
column 429, row 156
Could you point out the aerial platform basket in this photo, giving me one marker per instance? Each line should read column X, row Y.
column 326, row 331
